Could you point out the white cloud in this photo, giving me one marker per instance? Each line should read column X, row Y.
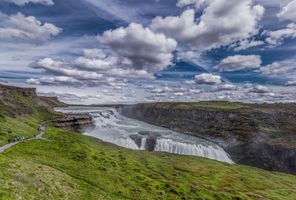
column 58, row 68
column 24, row 2
column 140, row 48
column 130, row 73
column 260, row 89
column 19, row 28
column 280, row 70
column 291, row 83
column 110, row 9
column 245, row 44
column 95, row 60
column 227, row 87
column 219, row 25
column 58, row 80
column 196, row 3
column 239, row 62
column 275, row 38
column 288, row 12
column 94, row 53
column 208, row 79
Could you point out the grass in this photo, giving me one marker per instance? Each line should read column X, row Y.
column 214, row 105
column 20, row 115
column 72, row 166
column 20, row 126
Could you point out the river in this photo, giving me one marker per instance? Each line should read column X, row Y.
column 112, row 127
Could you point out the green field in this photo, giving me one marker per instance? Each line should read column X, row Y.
column 214, row 105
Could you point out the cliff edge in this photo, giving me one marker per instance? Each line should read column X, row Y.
column 260, row 135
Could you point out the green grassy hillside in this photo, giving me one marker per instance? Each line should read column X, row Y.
column 72, row 166
column 20, row 115
column 68, row 165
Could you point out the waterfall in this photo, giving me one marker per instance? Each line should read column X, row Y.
column 143, row 143
column 114, row 128
column 208, row 151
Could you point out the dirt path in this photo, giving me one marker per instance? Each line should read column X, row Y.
column 38, row 136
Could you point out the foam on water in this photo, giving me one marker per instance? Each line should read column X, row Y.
column 114, row 128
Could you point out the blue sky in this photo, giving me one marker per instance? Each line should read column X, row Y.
column 97, row 51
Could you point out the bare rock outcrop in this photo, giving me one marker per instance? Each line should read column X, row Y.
column 75, row 122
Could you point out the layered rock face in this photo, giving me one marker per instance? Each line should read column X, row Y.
column 258, row 135
column 150, row 139
column 29, row 92
column 75, row 122
column 16, row 101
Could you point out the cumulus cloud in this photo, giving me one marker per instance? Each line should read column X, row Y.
column 291, row 83
column 196, row 3
column 24, row 2
column 60, row 69
column 280, row 70
column 260, row 89
column 98, row 61
column 208, row 79
column 93, row 68
column 239, row 62
column 227, row 87
column 288, row 11
column 58, row 80
column 275, row 38
column 95, row 59
column 247, row 43
column 140, row 47
column 19, row 28
column 216, row 27
column 94, row 53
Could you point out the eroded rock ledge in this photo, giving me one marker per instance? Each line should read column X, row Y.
column 75, row 122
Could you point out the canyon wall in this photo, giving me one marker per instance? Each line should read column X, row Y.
column 261, row 136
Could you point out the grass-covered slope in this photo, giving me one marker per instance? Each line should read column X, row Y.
column 68, row 165
column 20, row 114
column 73, row 166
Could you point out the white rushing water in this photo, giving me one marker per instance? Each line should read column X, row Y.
column 114, row 128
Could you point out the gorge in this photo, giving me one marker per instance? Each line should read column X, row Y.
column 260, row 135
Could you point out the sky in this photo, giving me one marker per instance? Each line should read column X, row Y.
column 130, row 51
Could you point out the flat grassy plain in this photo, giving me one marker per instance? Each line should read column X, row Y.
column 207, row 105
column 71, row 166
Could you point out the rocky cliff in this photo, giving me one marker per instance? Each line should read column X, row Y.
column 16, row 101
column 74, row 122
column 258, row 135
column 6, row 90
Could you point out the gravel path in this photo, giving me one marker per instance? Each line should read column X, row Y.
column 39, row 136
